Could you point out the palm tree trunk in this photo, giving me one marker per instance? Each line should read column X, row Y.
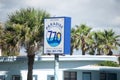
column 110, row 52
column 83, row 46
column 71, row 52
column 30, row 66
column 98, row 52
column 83, row 52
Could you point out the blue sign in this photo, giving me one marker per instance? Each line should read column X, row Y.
column 57, row 35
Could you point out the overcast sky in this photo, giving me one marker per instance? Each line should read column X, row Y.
column 99, row 14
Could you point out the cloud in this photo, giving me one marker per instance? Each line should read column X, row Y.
column 116, row 20
column 95, row 13
column 98, row 14
column 9, row 6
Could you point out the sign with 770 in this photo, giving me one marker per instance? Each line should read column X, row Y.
column 54, row 35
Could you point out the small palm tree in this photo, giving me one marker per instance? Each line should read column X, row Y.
column 105, row 41
column 80, row 36
column 91, row 46
column 27, row 26
column 9, row 46
column 73, row 40
column 111, row 41
column 98, row 41
column 1, row 40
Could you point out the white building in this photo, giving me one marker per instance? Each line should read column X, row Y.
column 70, row 68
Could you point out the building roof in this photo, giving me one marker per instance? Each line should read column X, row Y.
column 98, row 68
column 61, row 58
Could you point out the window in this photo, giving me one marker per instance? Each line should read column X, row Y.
column 108, row 76
column 112, row 76
column 86, row 75
column 52, row 78
column 70, row 75
column 16, row 77
column 102, row 76
column 2, row 77
column 34, row 77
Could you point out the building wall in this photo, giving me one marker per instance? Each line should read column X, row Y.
column 44, row 69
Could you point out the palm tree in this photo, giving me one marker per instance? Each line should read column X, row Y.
column 73, row 40
column 111, row 41
column 28, row 26
column 80, row 36
column 90, row 43
column 10, row 41
column 1, row 34
column 105, row 41
column 98, row 41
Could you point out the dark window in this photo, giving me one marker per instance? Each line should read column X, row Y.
column 102, row 76
column 16, row 77
column 2, row 77
column 52, row 78
column 112, row 76
column 70, row 75
column 108, row 76
column 86, row 75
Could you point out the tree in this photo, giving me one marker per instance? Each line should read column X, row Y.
column 28, row 27
column 1, row 41
column 105, row 41
column 98, row 42
column 110, row 41
column 91, row 45
column 11, row 42
column 73, row 40
column 80, row 36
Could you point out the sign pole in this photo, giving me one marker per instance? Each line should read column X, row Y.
column 56, row 66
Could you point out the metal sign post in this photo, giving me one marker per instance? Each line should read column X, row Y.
column 56, row 67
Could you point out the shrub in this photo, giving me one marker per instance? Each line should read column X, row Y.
column 109, row 63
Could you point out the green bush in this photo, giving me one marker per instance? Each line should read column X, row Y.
column 109, row 63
